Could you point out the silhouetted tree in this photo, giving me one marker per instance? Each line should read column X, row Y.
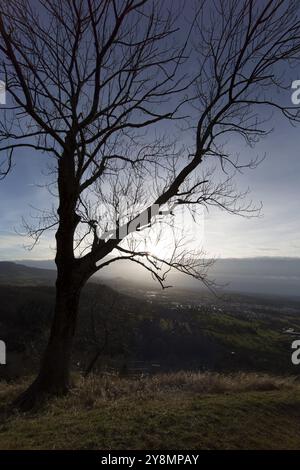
column 91, row 83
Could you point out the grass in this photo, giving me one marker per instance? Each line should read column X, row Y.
column 171, row 411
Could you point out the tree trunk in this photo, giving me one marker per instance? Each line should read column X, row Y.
column 54, row 374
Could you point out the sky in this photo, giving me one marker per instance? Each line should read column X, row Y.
column 275, row 183
column 276, row 232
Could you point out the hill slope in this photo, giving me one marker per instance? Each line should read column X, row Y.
column 18, row 274
column 150, row 335
column 165, row 419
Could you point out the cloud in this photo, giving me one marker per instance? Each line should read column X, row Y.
column 13, row 247
column 267, row 249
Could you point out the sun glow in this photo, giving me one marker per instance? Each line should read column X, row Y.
column 159, row 250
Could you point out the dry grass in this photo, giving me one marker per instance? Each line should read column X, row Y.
column 88, row 392
column 96, row 389
column 8, row 391
column 183, row 410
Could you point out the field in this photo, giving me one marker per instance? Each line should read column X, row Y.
column 168, row 411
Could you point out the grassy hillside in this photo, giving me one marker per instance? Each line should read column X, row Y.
column 145, row 332
column 185, row 334
column 175, row 411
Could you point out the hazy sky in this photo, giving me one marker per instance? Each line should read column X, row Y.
column 275, row 182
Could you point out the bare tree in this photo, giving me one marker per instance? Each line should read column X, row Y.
column 96, row 85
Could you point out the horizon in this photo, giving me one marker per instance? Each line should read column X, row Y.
column 261, row 275
column 278, row 257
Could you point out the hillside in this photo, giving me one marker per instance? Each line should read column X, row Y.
column 181, row 411
column 151, row 388
column 132, row 328
column 135, row 335
column 18, row 274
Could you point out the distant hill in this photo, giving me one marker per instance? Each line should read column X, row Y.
column 37, row 263
column 263, row 275
column 18, row 274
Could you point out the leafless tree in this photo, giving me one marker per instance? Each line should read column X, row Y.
column 97, row 86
